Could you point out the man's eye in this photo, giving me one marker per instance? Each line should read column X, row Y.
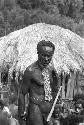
column 41, row 55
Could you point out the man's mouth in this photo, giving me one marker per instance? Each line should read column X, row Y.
column 46, row 63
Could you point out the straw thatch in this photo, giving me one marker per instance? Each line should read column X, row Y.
column 19, row 47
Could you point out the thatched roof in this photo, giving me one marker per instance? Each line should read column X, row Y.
column 19, row 47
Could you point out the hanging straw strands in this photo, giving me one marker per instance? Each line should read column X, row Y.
column 20, row 47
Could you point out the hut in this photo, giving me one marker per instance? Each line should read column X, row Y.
column 19, row 50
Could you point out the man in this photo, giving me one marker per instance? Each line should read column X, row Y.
column 3, row 119
column 80, row 110
column 1, row 104
column 40, row 81
column 13, row 106
column 4, row 109
column 77, row 116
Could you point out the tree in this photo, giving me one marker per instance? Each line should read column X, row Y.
column 1, row 19
column 80, row 29
column 24, row 4
column 70, row 8
column 75, row 7
column 16, row 18
column 7, row 3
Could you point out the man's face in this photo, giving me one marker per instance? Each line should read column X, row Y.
column 79, row 107
column 44, row 59
column 45, row 56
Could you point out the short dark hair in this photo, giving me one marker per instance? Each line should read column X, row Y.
column 45, row 43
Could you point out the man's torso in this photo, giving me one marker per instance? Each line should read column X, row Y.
column 36, row 88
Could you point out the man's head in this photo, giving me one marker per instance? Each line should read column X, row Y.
column 80, row 105
column 45, row 50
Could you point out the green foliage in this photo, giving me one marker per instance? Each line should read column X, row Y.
column 1, row 19
column 24, row 4
column 41, row 16
column 15, row 17
column 7, row 3
column 67, row 23
column 16, row 14
column 80, row 29
column 70, row 8
column 77, row 4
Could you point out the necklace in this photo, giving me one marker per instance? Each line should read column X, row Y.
column 47, row 88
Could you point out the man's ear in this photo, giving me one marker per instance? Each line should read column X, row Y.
column 37, row 52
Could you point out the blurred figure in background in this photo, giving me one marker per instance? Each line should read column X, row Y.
column 4, row 109
column 77, row 117
column 3, row 119
column 13, row 106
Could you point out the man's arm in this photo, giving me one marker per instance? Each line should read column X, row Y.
column 23, row 91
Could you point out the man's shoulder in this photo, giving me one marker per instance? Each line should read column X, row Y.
column 31, row 67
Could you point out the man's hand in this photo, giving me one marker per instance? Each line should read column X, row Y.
column 24, row 116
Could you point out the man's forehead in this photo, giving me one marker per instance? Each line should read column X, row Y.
column 47, row 48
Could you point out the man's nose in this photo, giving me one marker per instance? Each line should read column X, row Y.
column 46, row 58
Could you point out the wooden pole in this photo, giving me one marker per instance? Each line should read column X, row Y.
column 1, row 94
column 75, row 84
column 63, row 86
column 70, row 85
column 53, row 106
